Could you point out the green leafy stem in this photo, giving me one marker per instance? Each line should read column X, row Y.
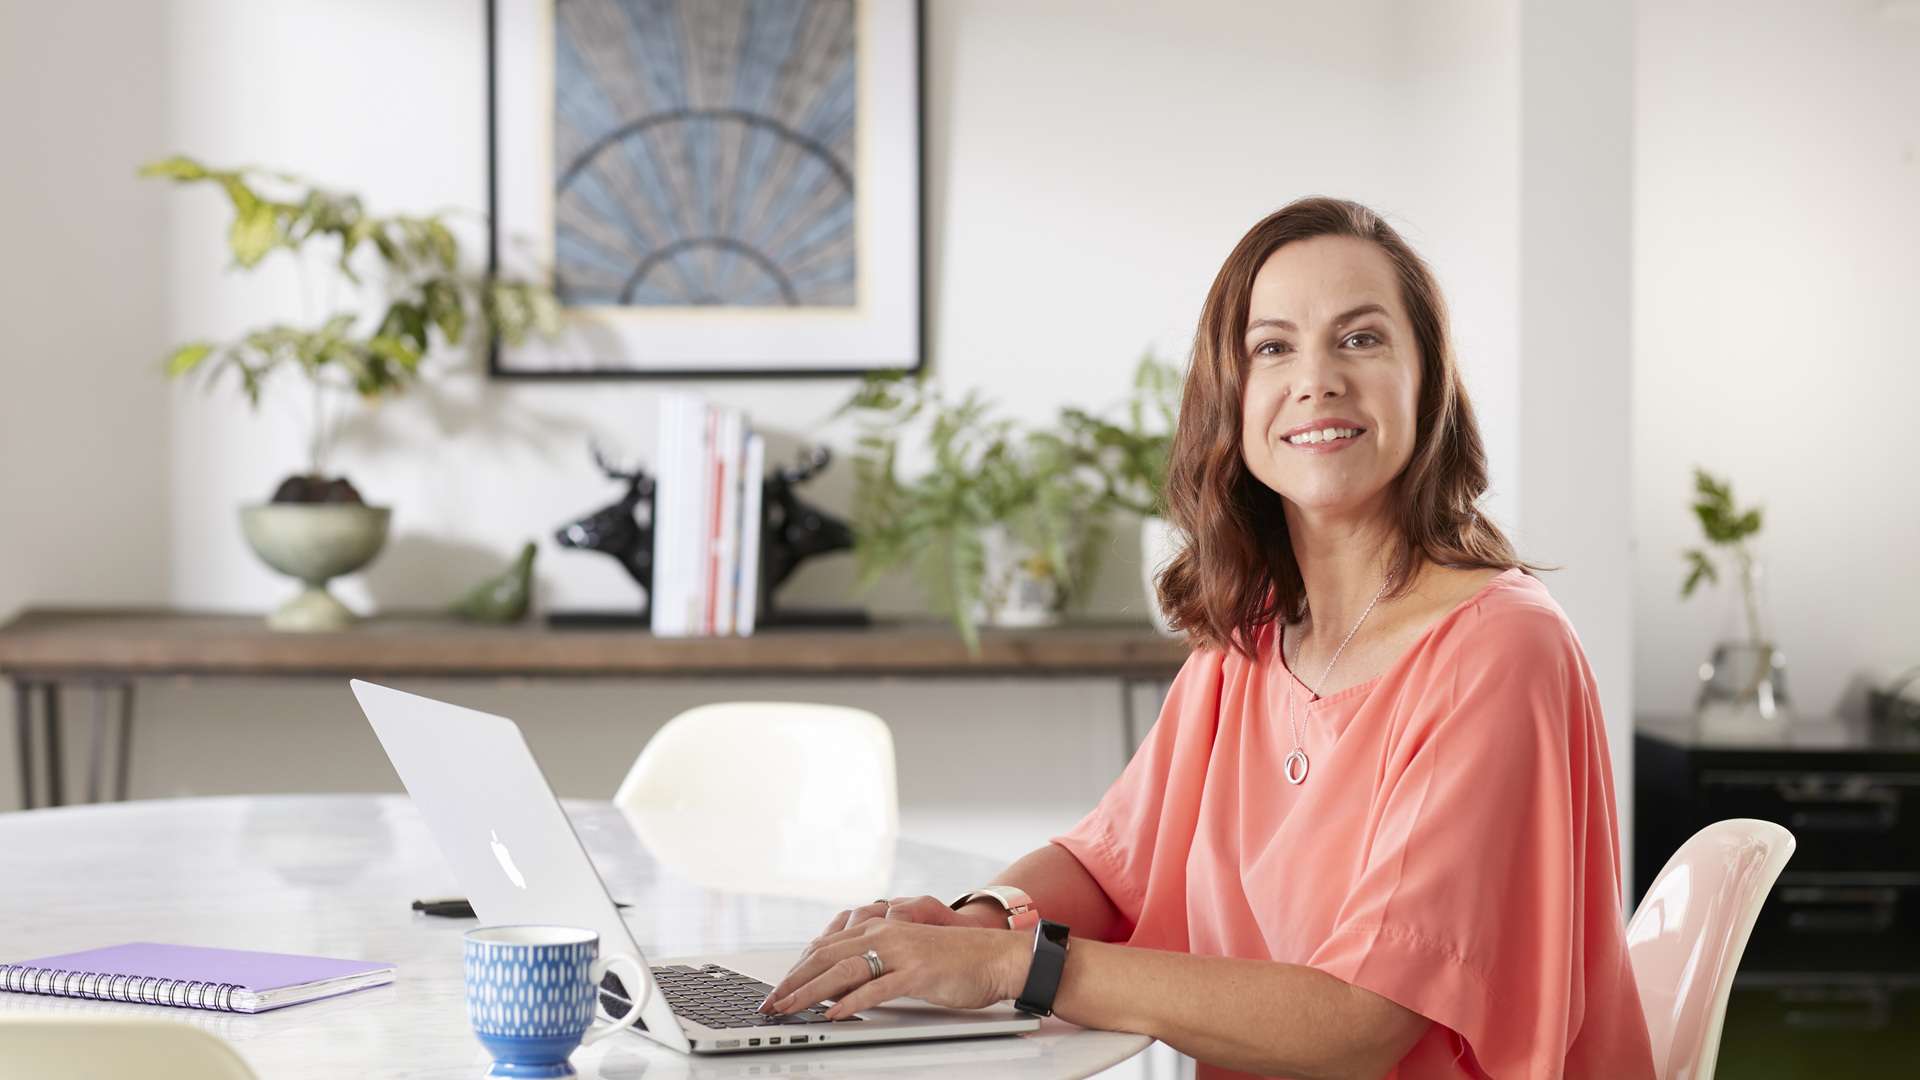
column 1727, row 527
column 422, row 283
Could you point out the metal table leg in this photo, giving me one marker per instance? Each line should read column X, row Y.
column 50, row 705
column 124, row 763
column 22, row 724
column 97, row 744
column 97, row 749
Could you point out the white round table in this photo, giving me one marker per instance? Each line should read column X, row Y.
column 334, row 875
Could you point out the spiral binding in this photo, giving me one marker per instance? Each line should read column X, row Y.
column 137, row 989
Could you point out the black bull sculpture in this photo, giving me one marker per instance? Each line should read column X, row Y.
column 792, row 530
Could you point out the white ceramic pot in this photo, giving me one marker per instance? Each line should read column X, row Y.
column 1017, row 587
column 314, row 542
column 1159, row 543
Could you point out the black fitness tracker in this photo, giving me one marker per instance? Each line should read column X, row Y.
column 1043, row 973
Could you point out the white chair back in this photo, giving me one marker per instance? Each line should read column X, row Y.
column 781, row 798
column 1688, row 933
column 114, row 1048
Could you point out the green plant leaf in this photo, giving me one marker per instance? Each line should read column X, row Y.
column 177, row 167
column 1702, row 569
column 356, row 234
column 440, row 239
column 187, row 357
column 385, row 245
column 1720, row 519
column 395, row 350
column 446, row 308
column 255, row 232
column 407, row 320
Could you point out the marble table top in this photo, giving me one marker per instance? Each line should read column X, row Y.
column 334, row 875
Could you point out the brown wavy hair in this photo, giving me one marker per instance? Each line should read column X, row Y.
column 1236, row 572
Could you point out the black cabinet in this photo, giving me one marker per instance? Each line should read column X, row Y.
column 1830, row 982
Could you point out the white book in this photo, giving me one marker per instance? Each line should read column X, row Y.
column 663, row 604
column 732, row 456
column 686, row 511
column 752, row 477
column 699, row 523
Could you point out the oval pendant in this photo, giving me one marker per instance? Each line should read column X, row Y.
column 1297, row 758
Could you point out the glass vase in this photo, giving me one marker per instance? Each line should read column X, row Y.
column 1743, row 684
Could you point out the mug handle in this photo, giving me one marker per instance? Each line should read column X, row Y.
column 634, row 976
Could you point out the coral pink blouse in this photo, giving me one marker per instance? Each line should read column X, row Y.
column 1453, row 848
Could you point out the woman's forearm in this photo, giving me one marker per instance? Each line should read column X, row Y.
column 1259, row 1016
column 1063, row 891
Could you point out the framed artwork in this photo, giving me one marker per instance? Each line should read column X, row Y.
column 712, row 187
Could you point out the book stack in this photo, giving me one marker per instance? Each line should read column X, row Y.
column 706, row 519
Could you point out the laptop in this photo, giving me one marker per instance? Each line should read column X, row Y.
column 490, row 808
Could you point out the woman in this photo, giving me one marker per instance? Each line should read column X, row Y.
column 1373, row 832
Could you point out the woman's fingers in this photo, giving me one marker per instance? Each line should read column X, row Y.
column 818, row 959
column 869, row 994
column 854, row 916
column 923, row 909
column 833, row 981
column 868, row 912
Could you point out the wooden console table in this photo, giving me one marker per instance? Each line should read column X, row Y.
column 44, row 650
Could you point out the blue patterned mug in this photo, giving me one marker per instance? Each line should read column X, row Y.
column 531, row 993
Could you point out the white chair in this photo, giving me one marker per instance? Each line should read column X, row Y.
column 103, row 1048
column 779, row 798
column 1687, row 935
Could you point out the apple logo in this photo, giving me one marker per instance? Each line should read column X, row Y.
column 501, row 853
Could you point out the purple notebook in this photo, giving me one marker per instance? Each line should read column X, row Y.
column 188, row 976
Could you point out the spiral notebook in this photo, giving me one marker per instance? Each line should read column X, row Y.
column 192, row 977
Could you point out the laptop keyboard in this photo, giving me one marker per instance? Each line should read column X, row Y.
column 721, row 998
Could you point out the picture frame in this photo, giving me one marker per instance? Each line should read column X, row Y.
column 714, row 188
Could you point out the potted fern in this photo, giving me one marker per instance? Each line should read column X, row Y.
column 420, row 302
column 1128, row 455
column 1000, row 525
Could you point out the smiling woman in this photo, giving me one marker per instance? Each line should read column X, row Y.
column 1410, row 869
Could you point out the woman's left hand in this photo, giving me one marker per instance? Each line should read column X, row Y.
column 962, row 967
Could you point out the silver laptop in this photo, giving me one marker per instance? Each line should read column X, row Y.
column 490, row 808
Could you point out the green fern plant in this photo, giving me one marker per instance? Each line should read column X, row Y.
column 984, row 471
column 428, row 300
column 1727, row 528
column 1130, row 459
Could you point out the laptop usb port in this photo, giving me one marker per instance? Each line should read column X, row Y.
column 753, row 1042
column 796, row 1040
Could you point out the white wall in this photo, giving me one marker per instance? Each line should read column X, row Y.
column 84, row 415
column 1777, row 262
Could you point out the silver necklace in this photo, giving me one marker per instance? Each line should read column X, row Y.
column 1298, row 758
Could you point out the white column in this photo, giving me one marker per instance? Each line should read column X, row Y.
column 1576, row 120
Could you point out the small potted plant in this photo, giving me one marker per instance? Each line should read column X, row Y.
column 316, row 526
column 1743, row 686
column 1001, row 525
column 1129, row 456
